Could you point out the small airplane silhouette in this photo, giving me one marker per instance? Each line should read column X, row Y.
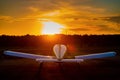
column 59, row 50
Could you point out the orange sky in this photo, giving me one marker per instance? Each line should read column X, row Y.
column 20, row 17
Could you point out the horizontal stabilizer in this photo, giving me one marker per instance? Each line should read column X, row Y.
column 98, row 55
column 26, row 55
column 56, row 60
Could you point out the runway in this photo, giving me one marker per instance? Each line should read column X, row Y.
column 25, row 69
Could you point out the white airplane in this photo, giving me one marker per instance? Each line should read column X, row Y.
column 59, row 50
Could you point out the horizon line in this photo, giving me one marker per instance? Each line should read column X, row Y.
column 56, row 34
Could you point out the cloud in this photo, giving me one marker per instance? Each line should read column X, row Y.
column 6, row 18
column 115, row 19
column 68, row 8
column 108, row 23
column 77, row 15
column 58, row 8
column 33, row 9
column 108, row 29
column 78, row 29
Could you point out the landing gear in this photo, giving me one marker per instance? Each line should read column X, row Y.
column 38, row 74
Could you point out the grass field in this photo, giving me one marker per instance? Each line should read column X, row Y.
column 12, row 68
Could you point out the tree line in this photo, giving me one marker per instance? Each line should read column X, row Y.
column 48, row 41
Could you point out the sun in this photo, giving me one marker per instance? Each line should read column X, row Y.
column 51, row 28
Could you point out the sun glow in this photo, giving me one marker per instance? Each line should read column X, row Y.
column 50, row 28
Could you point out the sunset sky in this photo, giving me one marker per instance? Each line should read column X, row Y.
column 20, row 17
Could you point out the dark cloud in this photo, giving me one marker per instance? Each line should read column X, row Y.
column 115, row 19
column 107, row 28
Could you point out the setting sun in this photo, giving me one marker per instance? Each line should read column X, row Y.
column 51, row 28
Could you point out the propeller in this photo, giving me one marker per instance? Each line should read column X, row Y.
column 59, row 50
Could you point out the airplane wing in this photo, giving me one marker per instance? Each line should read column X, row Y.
column 40, row 58
column 98, row 55
column 26, row 55
column 56, row 60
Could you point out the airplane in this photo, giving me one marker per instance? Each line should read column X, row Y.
column 59, row 50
